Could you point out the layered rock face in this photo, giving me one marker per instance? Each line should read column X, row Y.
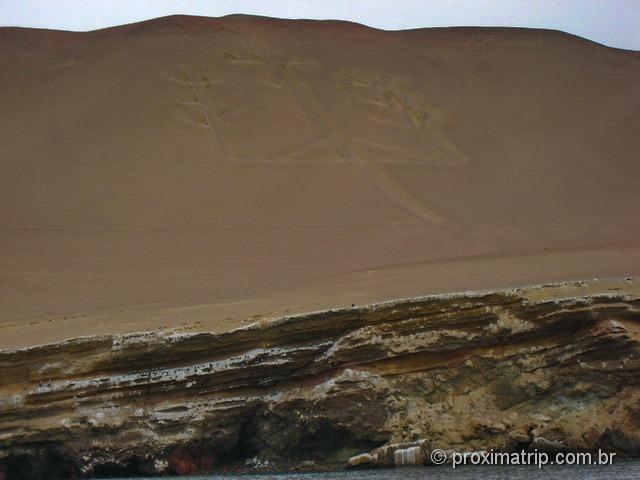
column 469, row 371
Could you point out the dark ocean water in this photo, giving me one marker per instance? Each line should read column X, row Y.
column 621, row 470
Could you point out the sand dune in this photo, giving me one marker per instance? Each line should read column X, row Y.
column 199, row 173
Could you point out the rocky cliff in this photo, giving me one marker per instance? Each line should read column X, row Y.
column 466, row 371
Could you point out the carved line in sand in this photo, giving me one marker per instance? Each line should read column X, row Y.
column 385, row 101
column 281, row 73
column 202, row 108
column 204, row 111
column 380, row 98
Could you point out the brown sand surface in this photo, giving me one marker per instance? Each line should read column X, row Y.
column 192, row 173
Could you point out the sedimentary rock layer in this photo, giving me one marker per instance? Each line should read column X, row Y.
column 465, row 371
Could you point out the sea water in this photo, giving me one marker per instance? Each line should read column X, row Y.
column 620, row 470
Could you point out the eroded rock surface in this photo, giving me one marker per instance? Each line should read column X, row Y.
column 557, row 366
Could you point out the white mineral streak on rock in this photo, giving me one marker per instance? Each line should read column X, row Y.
column 408, row 456
column 160, row 466
column 617, row 326
column 508, row 322
column 396, row 345
column 255, row 462
column 349, row 375
column 362, row 459
column 12, row 401
column 260, row 357
column 345, row 377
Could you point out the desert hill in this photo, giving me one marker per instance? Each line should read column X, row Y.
column 199, row 173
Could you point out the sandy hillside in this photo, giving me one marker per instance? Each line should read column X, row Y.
column 200, row 173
